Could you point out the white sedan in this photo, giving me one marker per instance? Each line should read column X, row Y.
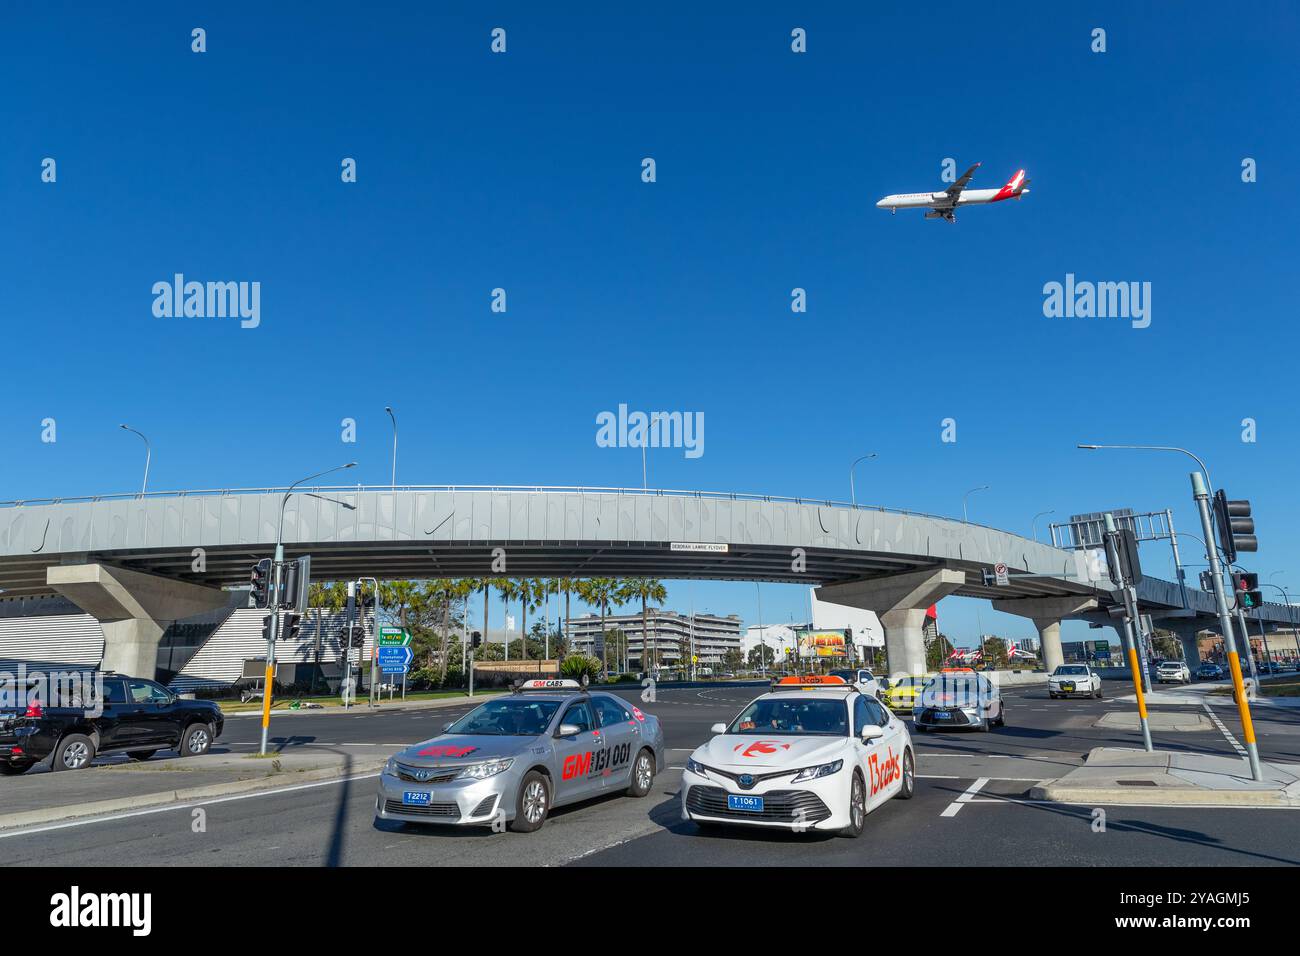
column 812, row 754
column 1070, row 679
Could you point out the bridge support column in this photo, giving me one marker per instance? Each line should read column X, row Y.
column 900, row 601
column 133, row 609
column 1047, row 614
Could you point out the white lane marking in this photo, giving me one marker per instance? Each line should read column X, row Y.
column 1241, row 751
column 1104, row 803
column 953, row 808
column 110, row 818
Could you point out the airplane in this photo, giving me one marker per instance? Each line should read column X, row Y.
column 1018, row 653
column 942, row 205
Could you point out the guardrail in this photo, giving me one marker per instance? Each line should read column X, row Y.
column 530, row 489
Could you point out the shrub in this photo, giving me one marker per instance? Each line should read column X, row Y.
column 576, row 665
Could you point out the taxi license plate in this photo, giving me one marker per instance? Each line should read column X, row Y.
column 943, row 715
column 1067, row 688
column 740, row 802
column 416, row 798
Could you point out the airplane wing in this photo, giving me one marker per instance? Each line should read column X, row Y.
column 955, row 189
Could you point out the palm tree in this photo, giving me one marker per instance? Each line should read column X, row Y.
column 506, row 588
column 331, row 597
column 565, row 586
column 602, row 592
column 528, row 590
column 645, row 590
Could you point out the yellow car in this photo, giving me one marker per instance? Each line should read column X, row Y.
column 903, row 691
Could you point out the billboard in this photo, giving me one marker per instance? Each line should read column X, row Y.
column 823, row 644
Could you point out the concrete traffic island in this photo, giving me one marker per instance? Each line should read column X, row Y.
column 122, row 787
column 1114, row 775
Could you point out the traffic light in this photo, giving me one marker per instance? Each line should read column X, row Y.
column 288, row 596
column 358, row 636
column 1245, row 586
column 290, row 627
column 262, row 583
column 268, row 627
column 1236, row 526
column 475, row 639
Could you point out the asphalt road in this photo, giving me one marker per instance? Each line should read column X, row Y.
column 970, row 807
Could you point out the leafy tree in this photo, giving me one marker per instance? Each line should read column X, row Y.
column 937, row 650
column 761, row 656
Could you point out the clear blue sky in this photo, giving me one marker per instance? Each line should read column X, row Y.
column 522, row 171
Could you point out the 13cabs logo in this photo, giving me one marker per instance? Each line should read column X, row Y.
column 600, row 761
column 884, row 771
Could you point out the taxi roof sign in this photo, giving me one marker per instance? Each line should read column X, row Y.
column 546, row 683
column 809, row 682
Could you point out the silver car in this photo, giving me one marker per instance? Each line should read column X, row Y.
column 511, row 759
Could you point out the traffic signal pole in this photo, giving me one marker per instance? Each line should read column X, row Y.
column 273, row 635
column 1129, row 631
column 1202, row 497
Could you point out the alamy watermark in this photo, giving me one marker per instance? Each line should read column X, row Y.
column 651, row 430
column 34, row 691
column 1101, row 300
column 208, row 300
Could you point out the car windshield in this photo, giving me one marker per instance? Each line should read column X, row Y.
column 513, row 717
column 907, row 682
column 1171, row 666
column 1070, row 669
column 812, row 716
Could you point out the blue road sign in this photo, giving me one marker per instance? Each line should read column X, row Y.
column 395, row 660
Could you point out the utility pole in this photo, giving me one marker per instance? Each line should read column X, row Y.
column 1202, row 497
column 1118, row 575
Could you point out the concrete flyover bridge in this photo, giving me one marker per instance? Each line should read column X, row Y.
column 138, row 562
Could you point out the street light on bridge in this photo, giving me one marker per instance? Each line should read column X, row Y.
column 394, row 418
column 853, row 498
column 964, row 516
column 1033, row 525
column 147, row 454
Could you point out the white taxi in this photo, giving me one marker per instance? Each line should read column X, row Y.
column 814, row 753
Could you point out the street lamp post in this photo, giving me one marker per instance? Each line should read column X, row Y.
column 147, row 454
column 394, row 418
column 964, row 516
column 853, row 498
column 1033, row 525
column 277, row 571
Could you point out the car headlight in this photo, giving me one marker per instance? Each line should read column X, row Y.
column 390, row 768
column 489, row 768
column 824, row 770
column 695, row 767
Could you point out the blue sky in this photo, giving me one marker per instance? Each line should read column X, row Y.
column 522, row 171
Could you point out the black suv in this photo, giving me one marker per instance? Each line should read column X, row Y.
column 137, row 717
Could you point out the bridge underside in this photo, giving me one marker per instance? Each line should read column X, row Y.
column 230, row 566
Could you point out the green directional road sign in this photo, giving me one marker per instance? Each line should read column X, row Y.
column 394, row 637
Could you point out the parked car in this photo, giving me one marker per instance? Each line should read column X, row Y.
column 135, row 716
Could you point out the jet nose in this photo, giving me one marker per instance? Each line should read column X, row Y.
column 880, row 204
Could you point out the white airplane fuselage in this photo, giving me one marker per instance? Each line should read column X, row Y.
column 925, row 200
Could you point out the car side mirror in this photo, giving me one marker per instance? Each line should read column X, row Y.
column 569, row 730
column 718, row 729
column 872, row 732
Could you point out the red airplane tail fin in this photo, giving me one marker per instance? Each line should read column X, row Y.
column 1014, row 187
